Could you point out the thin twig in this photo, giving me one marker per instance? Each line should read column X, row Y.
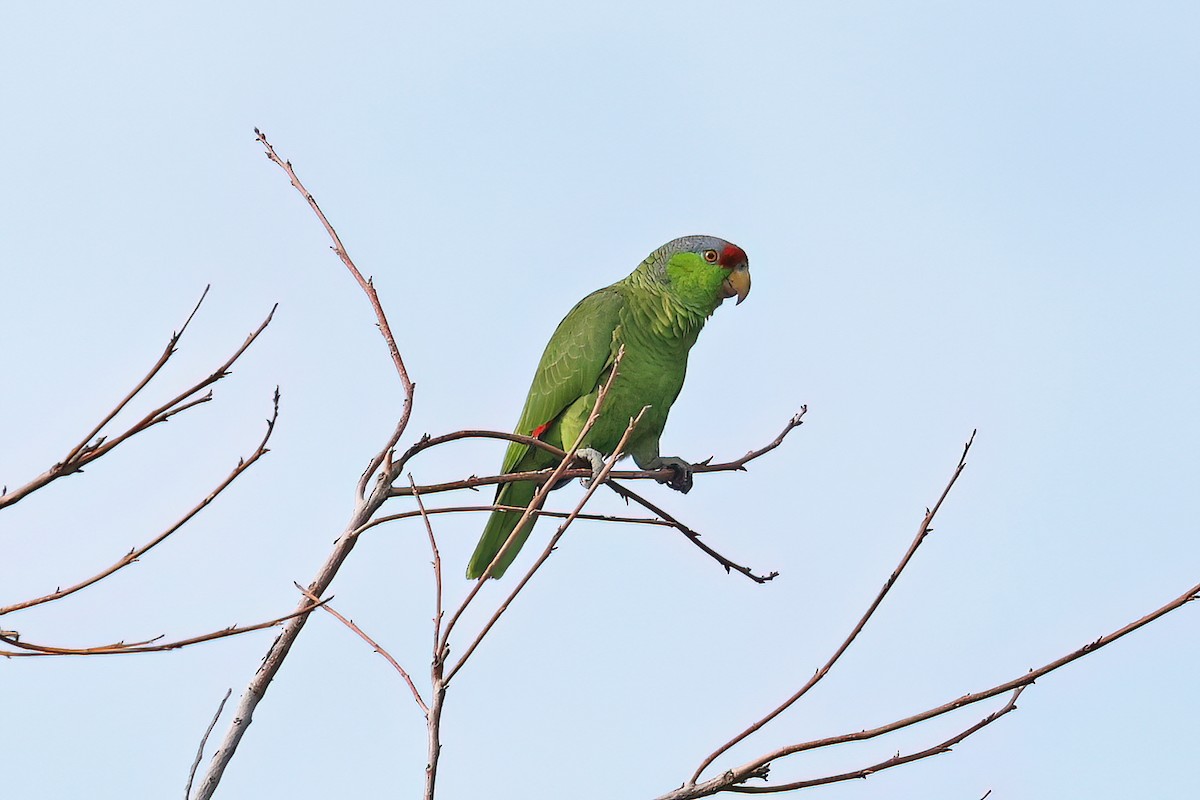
column 368, row 288
column 437, row 570
column 895, row 761
column 922, row 532
column 437, row 661
column 90, row 451
column 969, row 699
column 541, row 476
column 28, row 649
column 541, row 512
column 187, row 793
column 137, row 552
column 168, row 351
column 691, row 535
column 378, row 648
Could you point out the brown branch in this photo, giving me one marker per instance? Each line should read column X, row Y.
column 88, row 450
column 541, row 476
column 368, row 287
column 969, row 699
column 731, row 779
column 496, row 507
column 895, row 761
column 365, row 507
column 552, row 477
column 550, row 547
column 187, row 793
column 137, row 552
column 691, row 535
column 378, row 648
column 28, row 649
column 427, row 441
column 162, row 361
column 437, row 663
column 439, row 678
column 437, row 569
column 922, row 532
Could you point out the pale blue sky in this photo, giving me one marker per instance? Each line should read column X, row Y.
column 958, row 215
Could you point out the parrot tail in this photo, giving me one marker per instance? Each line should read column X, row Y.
column 499, row 526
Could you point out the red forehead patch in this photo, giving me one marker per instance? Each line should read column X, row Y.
column 733, row 255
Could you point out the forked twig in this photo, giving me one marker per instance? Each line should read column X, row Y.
column 29, row 649
column 367, row 503
column 552, row 477
column 162, row 360
column 378, row 648
column 734, row 779
column 90, row 448
column 542, row 476
column 368, row 287
column 692, row 536
column 137, row 552
column 922, row 532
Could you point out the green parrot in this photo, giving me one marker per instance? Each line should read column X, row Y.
column 656, row 313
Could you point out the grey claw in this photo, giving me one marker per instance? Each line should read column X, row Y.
column 596, row 459
column 681, row 481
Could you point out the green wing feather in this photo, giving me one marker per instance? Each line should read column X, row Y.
column 578, row 353
column 575, row 358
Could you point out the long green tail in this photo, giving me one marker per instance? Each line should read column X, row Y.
column 499, row 525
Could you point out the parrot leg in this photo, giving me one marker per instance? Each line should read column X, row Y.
column 596, row 459
column 681, row 481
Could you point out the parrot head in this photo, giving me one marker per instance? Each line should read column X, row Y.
column 705, row 269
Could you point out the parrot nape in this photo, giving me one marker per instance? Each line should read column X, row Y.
column 656, row 313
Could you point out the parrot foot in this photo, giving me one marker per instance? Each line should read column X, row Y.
column 596, row 459
column 681, row 481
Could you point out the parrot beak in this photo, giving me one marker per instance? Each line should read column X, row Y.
column 738, row 283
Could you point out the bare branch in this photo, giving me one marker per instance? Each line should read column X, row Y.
column 542, row 476
column 895, row 761
column 137, row 552
column 88, row 450
column 922, row 532
column 692, row 536
column 494, row 507
column 734, row 780
column 368, row 288
column 437, row 570
column 187, row 793
column 374, row 646
column 28, row 649
column 552, row 477
column 969, row 699
column 162, row 360
column 365, row 507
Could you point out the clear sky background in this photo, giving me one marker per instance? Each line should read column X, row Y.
column 958, row 215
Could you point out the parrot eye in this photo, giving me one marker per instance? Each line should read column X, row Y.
column 710, row 256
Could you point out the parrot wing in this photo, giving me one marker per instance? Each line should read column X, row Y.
column 576, row 357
